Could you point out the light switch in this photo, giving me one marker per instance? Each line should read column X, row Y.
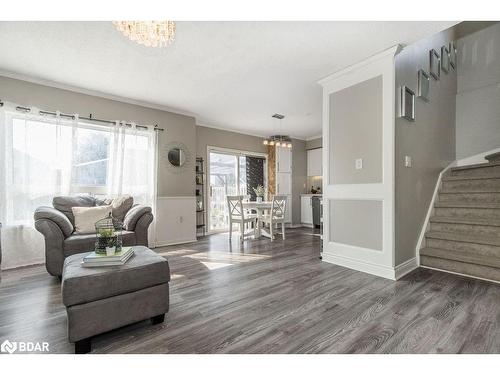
column 359, row 163
column 408, row 161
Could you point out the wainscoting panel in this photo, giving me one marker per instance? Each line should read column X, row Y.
column 175, row 220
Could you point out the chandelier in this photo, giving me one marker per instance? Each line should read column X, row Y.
column 278, row 140
column 148, row 33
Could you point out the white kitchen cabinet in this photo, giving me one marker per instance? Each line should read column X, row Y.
column 306, row 212
column 283, row 183
column 283, row 160
column 315, row 162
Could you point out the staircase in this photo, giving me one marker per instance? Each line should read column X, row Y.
column 464, row 232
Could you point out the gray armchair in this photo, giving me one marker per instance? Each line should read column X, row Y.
column 57, row 226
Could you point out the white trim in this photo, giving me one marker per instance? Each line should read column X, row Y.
column 461, row 274
column 476, row 159
column 233, row 151
column 430, row 210
column 99, row 94
column 177, row 242
column 306, row 225
column 314, row 137
column 390, row 52
column 358, row 265
column 379, row 262
column 406, row 267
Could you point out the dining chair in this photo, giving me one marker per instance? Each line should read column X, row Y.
column 237, row 215
column 276, row 215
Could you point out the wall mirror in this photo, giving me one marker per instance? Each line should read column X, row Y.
column 176, row 156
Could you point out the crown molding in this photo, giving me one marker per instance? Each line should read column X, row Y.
column 392, row 51
column 99, row 94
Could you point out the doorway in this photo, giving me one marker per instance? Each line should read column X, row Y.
column 231, row 172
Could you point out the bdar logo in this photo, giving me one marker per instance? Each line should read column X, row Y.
column 8, row 347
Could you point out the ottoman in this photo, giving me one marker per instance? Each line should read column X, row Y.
column 101, row 299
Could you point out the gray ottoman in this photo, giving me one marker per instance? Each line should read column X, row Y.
column 100, row 299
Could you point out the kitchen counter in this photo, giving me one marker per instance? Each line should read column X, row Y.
column 311, row 195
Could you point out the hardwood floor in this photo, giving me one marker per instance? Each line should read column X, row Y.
column 275, row 297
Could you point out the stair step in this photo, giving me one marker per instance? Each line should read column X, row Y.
column 466, row 247
column 490, row 261
column 473, row 226
column 453, row 204
column 465, row 220
column 467, row 178
column 470, row 184
column 495, row 157
column 457, row 237
column 485, row 170
column 470, row 197
column 474, row 270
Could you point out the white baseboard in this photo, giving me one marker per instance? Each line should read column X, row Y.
column 406, row 267
column 373, row 269
column 461, row 274
column 307, row 225
column 391, row 273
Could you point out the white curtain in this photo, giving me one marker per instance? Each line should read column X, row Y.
column 132, row 165
column 38, row 162
column 36, row 159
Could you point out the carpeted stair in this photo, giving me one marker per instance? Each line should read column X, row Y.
column 464, row 231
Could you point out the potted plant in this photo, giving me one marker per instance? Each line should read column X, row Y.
column 259, row 192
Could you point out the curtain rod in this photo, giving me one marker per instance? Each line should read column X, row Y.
column 90, row 118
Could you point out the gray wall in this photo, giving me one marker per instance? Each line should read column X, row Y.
column 178, row 128
column 222, row 138
column 478, row 96
column 367, row 216
column 430, row 141
column 356, row 133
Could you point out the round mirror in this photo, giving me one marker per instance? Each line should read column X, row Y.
column 176, row 156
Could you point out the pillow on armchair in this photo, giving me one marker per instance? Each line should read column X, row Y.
column 86, row 217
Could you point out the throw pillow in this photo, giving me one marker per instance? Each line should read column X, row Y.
column 119, row 205
column 86, row 217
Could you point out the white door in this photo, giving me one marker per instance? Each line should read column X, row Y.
column 283, row 160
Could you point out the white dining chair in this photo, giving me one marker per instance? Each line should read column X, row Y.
column 237, row 215
column 276, row 215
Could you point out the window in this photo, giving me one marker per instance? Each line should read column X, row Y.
column 91, row 155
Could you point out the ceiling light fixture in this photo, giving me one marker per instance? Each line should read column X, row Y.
column 148, row 33
column 278, row 140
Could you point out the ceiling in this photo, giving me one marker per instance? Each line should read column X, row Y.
column 229, row 75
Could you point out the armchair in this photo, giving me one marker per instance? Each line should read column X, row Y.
column 56, row 224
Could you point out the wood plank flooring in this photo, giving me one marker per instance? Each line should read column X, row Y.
column 263, row 297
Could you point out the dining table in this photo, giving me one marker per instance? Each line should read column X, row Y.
column 261, row 208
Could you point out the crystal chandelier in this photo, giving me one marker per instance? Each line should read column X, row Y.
column 278, row 140
column 148, row 33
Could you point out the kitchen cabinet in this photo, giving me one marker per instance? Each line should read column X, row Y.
column 315, row 162
column 283, row 160
column 283, row 183
column 306, row 213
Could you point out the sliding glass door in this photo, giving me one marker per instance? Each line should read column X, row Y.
column 229, row 174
